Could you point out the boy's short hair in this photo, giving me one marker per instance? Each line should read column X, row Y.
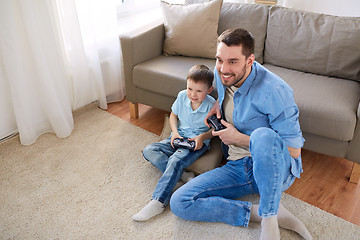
column 237, row 37
column 201, row 73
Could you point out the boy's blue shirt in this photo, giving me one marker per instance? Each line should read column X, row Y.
column 265, row 100
column 191, row 123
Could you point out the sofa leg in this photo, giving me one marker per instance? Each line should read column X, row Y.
column 134, row 110
column 355, row 173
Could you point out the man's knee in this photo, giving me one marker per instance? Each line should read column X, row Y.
column 262, row 138
column 262, row 134
column 177, row 204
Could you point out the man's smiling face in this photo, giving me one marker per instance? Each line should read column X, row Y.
column 233, row 67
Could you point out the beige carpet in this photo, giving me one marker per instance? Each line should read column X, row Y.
column 88, row 186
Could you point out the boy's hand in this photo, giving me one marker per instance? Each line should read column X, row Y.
column 215, row 110
column 174, row 136
column 199, row 142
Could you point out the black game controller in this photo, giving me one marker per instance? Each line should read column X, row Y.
column 215, row 123
column 184, row 143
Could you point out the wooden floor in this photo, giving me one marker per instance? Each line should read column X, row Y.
column 323, row 184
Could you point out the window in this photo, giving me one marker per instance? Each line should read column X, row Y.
column 133, row 14
column 130, row 7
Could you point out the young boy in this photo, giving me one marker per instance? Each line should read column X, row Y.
column 186, row 121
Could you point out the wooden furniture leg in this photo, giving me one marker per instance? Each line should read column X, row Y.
column 134, row 110
column 355, row 173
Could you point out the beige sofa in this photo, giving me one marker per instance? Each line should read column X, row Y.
column 317, row 55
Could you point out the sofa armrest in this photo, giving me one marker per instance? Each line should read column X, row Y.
column 353, row 153
column 138, row 46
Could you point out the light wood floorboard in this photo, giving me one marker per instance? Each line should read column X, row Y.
column 324, row 183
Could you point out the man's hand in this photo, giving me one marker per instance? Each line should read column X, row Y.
column 215, row 110
column 231, row 136
column 294, row 152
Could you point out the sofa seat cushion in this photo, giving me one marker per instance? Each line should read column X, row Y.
column 166, row 74
column 328, row 106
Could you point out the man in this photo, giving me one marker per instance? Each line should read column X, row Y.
column 262, row 142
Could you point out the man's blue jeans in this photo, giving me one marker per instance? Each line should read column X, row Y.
column 171, row 162
column 211, row 197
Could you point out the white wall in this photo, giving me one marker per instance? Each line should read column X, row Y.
column 349, row 8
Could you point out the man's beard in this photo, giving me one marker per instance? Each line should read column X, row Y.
column 236, row 81
column 239, row 79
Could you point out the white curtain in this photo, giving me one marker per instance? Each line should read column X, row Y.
column 56, row 56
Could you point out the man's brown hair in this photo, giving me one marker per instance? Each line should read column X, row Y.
column 237, row 37
column 201, row 73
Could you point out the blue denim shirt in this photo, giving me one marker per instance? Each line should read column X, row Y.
column 265, row 100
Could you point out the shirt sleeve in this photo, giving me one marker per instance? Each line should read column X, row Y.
column 283, row 116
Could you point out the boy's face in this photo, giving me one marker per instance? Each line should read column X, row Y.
column 197, row 91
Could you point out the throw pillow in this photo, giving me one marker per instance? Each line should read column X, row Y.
column 191, row 30
column 166, row 129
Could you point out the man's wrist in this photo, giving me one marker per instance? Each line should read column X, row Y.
column 243, row 140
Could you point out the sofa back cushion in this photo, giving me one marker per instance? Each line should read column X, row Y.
column 191, row 30
column 252, row 17
column 312, row 42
